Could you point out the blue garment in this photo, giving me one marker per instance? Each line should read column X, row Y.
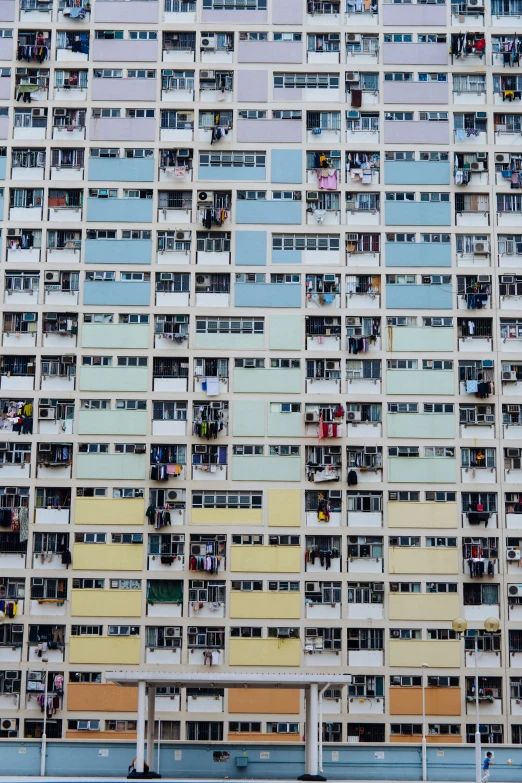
column 328, row 298
column 472, row 387
column 486, row 764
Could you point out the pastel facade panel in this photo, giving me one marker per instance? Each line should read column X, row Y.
column 252, row 85
column 112, row 89
column 7, row 10
column 285, row 425
column 109, row 650
column 270, row 52
column 112, row 422
column 251, row 247
column 420, row 338
column 106, row 603
column 119, row 210
column 108, row 557
column 438, row 701
column 111, row 466
column 415, row 54
column 226, row 516
column 112, row 379
column 417, row 213
column 230, row 342
column 415, row 93
column 419, row 297
column 125, row 13
column 264, row 701
column 265, row 559
column 284, row 508
column 420, row 382
column 416, row 132
column 6, row 49
column 420, row 425
column 418, row 606
column 415, row 254
column 286, row 332
column 265, row 606
column 116, row 293
column 115, row 336
column 278, row 213
column 266, row 381
column 109, row 511
column 118, row 251
column 423, row 470
column 226, row 174
column 265, row 652
column 249, row 418
column 287, row 166
column 223, row 16
column 101, row 697
column 416, row 172
column 423, row 560
column 121, row 169
column 418, row 15
column 124, row 51
column 436, row 654
column 423, row 515
column 122, row 129
column 269, row 131
column 266, row 468
column 267, row 295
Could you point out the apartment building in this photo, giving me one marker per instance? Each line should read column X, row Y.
column 261, row 367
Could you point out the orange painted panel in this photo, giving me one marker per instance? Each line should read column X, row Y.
column 439, row 701
column 101, row 697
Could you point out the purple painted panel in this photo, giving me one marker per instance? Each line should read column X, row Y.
column 129, row 13
column 415, row 54
column 124, row 51
column 236, row 17
column 5, row 89
column 269, row 131
column 132, row 89
column 270, row 52
column 4, row 127
column 288, row 94
column 252, row 86
column 416, row 132
column 289, row 12
column 413, row 15
column 416, row 92
column 7, row 11
column 6, row 48
column 122, row 129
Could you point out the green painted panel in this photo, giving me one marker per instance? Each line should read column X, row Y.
column 266, row 468
column 267, row 381
column 248, row 417
column 285, row 424
column 115, row 336
column 420, row 338
column 107, row 379
column 286, row 332
column 230, row 342
column 116, row 422
column 420, row 381
column 111, row 466
column 420, row 425
column 407, row 470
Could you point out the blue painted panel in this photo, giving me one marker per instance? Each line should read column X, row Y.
column 251, row 248
column 417, row 254
column 267, row 295
column 119, row 210
column 417, row 213
column 278, row 213
column 118, row 251
column 287, row 256
column 2, row 207
column 3, row 167
column 116, row 293
column 417, row 172
column 418, row 297
column 287, row 166
column 121, row 169
column 230, row 174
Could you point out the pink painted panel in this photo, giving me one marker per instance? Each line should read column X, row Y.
column 132, row 89
column 126, row 12
column 270, row 52
column 124, row 51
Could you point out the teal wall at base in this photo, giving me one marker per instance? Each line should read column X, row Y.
column 251, row 248
column 118, row 251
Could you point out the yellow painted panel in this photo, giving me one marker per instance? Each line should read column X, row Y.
column 438, row 655
column 259, row 606
column 107, row 557
column 423, row 515
column 109, row 511
column 265, row 652
column 266, row 559
column 106, row 603
column 108, row 649
column 423, row 560
column 284, row 508
column 227, row 516
column 422, row 606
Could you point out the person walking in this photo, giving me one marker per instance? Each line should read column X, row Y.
column 486, row 765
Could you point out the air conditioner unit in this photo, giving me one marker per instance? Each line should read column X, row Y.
column 502, row 157
column 171, row 632
column 172, row 494
column 9, row 724
column 11, row 491
column 353, row 38
column 52, row 277
column 283, row 633
column 331, row 365
column 481, row 115
column 513, row 554
column 200, row 449
column 482, row 278
column 507, row 278
column 312, row 587
column 329, row 278
column 60, row 112
column 352, row 76
column 47, row 413
column 29, row 317
column 208, row 42
column 205, row 195
column 488, row 363
column 512, row 452
column 67, row 359
column 515, row 591
column 14, row 232
column 335, row 494
column 481, row 247
column 395, row 633
column 44, row 447
column 370, row 449
column 192, row 629
column 509, row 376
column 38, row 112
column 311, row 417
column 12, row 675
column 378, row 587
column 354, row 416
column 184, row 153
column 477, row 165
column 481, row 155
column 181, row 235
column 17, row 628
column 140, row 448
column 207, row 75
column 489, row 418
column 312, row 195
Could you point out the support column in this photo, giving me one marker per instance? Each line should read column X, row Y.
column 151, row 714
column 312, row 734
column 140, row 728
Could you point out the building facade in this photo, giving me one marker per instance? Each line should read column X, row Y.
column 261, row 356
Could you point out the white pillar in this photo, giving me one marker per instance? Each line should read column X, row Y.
column 151, row 709
column 140, row 728
column 312, row 726
column 478, row 749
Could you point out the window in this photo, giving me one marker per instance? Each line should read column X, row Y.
column 322, row 242
column 302, row 80
column 123, row 630
column 433, row 116
column 403, row 407
column 90, row 538
column 150, row 113
column 140, row 74
column 226, row 500
column 229, row 326
column 224, row 159
column 439, row 542
column 407, row 541
column 398, row 116
column 285, row 364
column 404, row 496
column 247, row 451
column 441, row 497
column 406, row 729
column 402, row 364
column 86, row 630
column 366, row 593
